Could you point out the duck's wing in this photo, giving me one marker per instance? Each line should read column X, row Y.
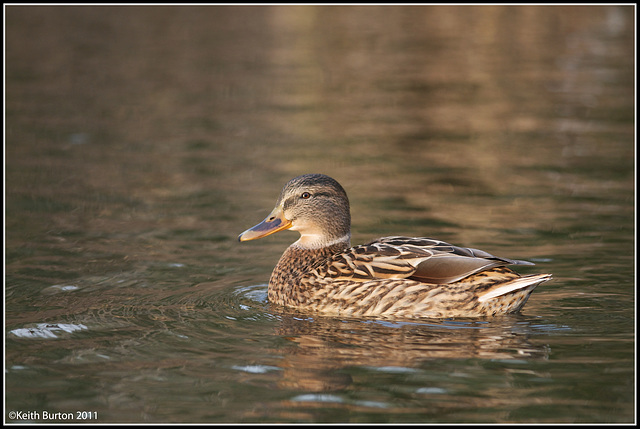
column 422, row 259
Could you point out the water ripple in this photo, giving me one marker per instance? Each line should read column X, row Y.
column 47, row 330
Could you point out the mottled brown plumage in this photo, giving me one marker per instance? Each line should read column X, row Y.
column 399, row 277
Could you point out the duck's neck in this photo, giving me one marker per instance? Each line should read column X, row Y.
column 295, row 263
column 319, row 241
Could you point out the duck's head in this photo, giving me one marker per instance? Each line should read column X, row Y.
column 315, row 205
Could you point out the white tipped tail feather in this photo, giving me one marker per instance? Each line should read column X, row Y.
column 515, row 285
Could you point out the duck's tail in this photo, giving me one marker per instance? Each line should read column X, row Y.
column 518, row 284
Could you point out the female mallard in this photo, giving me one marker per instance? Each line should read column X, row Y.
column 391, row 277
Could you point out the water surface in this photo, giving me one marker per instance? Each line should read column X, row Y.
column 141, row 140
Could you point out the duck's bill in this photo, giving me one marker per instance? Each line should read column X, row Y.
column 273, row 223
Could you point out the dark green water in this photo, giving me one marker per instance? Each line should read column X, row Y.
column 140, row 141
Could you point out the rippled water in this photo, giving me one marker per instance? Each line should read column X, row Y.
column 141, row 140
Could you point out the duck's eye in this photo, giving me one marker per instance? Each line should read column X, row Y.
column 305, row 195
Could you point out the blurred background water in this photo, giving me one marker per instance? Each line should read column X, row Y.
column 140, row 141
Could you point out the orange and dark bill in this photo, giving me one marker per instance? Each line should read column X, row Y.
column 271, row 224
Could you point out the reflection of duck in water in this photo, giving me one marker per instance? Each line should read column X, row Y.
column 326, row 352
column 391, row 277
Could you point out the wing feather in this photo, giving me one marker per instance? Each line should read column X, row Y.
column 422, row 259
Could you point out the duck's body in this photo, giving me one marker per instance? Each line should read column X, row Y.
column 399, row 277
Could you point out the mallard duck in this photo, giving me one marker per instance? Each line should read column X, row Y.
column 392, row 277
